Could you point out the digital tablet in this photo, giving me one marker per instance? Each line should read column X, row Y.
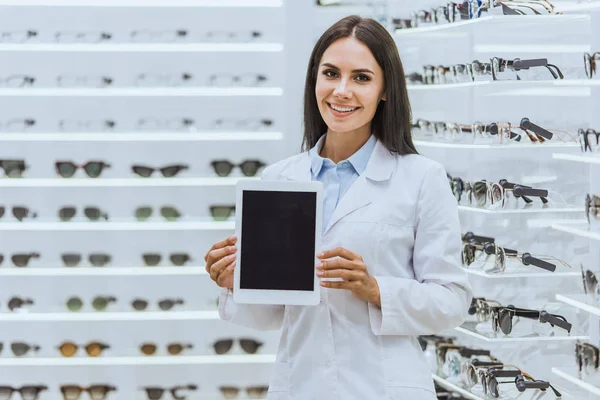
column 278, row 226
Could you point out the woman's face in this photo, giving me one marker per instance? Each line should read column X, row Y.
column 349, row 86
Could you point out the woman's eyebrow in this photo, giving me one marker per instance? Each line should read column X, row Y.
column 354, row 71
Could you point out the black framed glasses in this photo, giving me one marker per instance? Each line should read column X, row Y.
column 13, row 168
column 96, row 392
column 19, row 212
column 252, row 392
column 231, row 124
column 524, row 382
column 502, row 318
column 249, row 167
column 95, row 259
column 21, row 259
column 490, row 383
column 82, row 36
column 28, row 392
column 170, row 213
column 500, row 65
column 93, row 169
column 17, row 36
column 473, row 251
column 156, row 392
column 589, row 61
column 164, row 304
column 67, row 213
column 249, row 346
column 222, row 212
column 586, row 143
column 20, row 349
column 168, row 171
column 15, row 303
column 99, row 303
column 494, row 195
column 177, row 259
column 592, row 207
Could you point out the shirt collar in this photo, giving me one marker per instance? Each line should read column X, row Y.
column 358, row 160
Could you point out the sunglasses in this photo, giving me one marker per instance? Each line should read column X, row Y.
column 20, row 348
column 223, row 346
column 92, row 213
column 16, row 303
column 17, row 36
column 592, row 207
column 524, row 382
column 96, row 259
column 472, row 251
column 13, row 168
column 501, row 64
column 252, row 392
column 587, row 356
column 457, row 359
column 473, row 376
column 249, row 167
column 167, row 171
column 168, row 212
column 174, row 349
column 490, row 384
column 96, row 392
column 502, row 318
column 20, row 259
column 164, row 305
column 30, row 392
column 19, row 212
column 491, row 195
column 222, row 213
column 93, row 349
column 589, row 60
column 93, row 169
column 156, row 393
column 590, row 284
column 99, row 303
column 177, row 259
column 482, row 308
column 584, row 140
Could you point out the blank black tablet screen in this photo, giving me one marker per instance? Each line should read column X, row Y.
column 278, row 240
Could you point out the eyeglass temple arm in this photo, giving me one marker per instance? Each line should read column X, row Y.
column 470, row 236
column 528, row 259
column 493, row 129
column 490, row 249
column 519, row 64
column 528, row 191
column 528, row 125
column 555, row 320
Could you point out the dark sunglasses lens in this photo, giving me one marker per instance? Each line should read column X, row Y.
column 505, row 322
column 20, row 260
column 94, row 169
column 16, row 302
column 480, row 193
column 166, row 305
column 66, row 170
column 1, row 258
column 99, row 260
column 229, row 392
column 250, row 168
column 222, row 168
column 170, row 213
column 250, row 346
column 221, row 213
column 223, row 346
column 493, row 388
column 143, row 171
column 30, row 392
column 92, row 213
column 151, row 259
column 71, row 260
column 74, row 304
column 2, row 211
column 154, row 393
column 66, row 213
column 169, row 172
column 139, row 304
column 20, row 212
column 19, row 348
column 256, row 392
column 143, row 213
column 179, row 259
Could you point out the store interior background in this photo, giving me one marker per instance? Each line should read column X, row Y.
column 161, row 83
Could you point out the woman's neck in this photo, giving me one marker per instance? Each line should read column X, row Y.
column 341, row 145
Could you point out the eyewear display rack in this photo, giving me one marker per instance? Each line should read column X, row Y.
column 173, row 68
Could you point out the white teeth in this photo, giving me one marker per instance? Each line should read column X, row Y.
column 342, row 109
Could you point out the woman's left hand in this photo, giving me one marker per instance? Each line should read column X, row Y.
column 351, row 268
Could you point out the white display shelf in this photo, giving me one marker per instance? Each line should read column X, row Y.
column 118, row 226
column 449, row 86
column 468, row 328
column 143, row 92
column 208, row 136
column 144, row 3
column 455, row 388
column 532, row 48
column 511, row 146
column 111, row 316
column 558, row 88
column 571, row 7
column 103, row 271
column 578, row 382
column 137, row 361
column 583, row 158
column 580, row 301
column 570, row 209
column 121, row 182
column 577, row 230
column 143, row 47
column 527, row 272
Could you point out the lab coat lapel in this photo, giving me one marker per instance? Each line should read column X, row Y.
column 361, row 192
column 299, row 170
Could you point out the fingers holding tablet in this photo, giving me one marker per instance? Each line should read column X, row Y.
column 220, row 261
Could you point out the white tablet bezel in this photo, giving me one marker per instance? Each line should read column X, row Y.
column 262, row 296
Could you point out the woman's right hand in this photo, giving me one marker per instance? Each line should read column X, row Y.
column 220, row 262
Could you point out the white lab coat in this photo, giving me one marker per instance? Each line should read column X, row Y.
column 402, row 218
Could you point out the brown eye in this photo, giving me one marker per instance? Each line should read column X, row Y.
column 329, row 73
column 363, row 78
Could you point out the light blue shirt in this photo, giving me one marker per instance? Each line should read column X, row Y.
column 337, row 178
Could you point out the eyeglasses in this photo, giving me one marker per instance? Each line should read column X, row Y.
column 252, row 392
column 167, row 171
column 156, row 393
column 502, row 318
column 96, row 259
column 21, row 259
column 13, row 168
column 168, row 212
column 584, row 140
column 494, row 195
column 522, row 384
column 148, row 35
column 20, row 349
column 238, row 124
column 17, row 124
column 592, row 207
column 93, row 349
column 17, row 36
column 82, row 37
column 174, row 349
column 457, row 360
column 222, row 213
column 589, row 60
column 93, row 169
column 590, row 284
column 472, row 375
column 16, row 303
column 17, row 81
column 489, row 383
column 83, row 81
column 29, row 392
column 100, row 303
column 177, row 259
column 76, row 125
column 249, row 346
column 92, row 213
column 19, row 212
column 170, row 124
column 149, row 79
column 249, row 167
column 225, row 36
column 236, row 80
column 501, row 64
column 482, row 308
column 472, row 251
column 96, row 392
column 164, row 305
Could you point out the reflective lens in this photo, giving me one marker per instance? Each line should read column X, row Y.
column 99, row 259
column 94, row 169
column 170, row 213
column 66, row 213
column 179, row 259
column 66, row 169
column 151, row 259
column 250, row 346
column 142, row 171
column 222, row 213
column 139, row 304
column 173, row 170
column 70, row 259
column 168, row 304
column 143, row 213
column 176, row 348
column 93, row 213
column 74, row 304
column 223, row 346
column 222, row 167
column 101, row 302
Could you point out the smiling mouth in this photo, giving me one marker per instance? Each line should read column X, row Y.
column 342, row 110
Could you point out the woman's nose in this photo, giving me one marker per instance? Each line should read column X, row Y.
column 342, row 90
